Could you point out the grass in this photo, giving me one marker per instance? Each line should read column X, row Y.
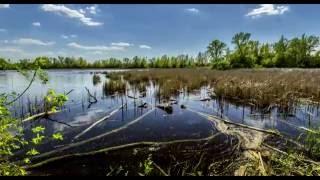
column 261, row 88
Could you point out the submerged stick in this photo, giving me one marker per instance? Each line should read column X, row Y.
column 233, row 123
column 97, row 122
column 92, row 96
column 94, row 138
column 208, row 116
column 148, row 143
column 36, row 116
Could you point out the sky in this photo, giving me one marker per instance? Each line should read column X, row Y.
column 103, row 30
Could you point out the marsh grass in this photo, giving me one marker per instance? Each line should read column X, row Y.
column 261, row 88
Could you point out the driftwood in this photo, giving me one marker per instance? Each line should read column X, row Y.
column 40, row 115
column 104, row 150
column 99, row 121
column 94, row 138
column 208, row 116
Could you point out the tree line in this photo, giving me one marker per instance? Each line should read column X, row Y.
column 246, row 53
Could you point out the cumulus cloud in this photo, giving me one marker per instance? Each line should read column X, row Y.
column 95, row 48
column 4, row 5
column 144, row 46
column 70, row 13
column 37, row 24
column 267, row 10
column 122, row 44
column 92, row 9
column 193, row 10
column 29, row 41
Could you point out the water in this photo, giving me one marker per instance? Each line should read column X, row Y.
column 156, row 125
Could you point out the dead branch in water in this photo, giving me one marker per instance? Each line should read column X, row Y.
column 60, row 122
column 104, row 150
column 40, row 115
column 92, row 96
column 94, row 138
column 208, row 116
column 25, row 90
column 97, row 122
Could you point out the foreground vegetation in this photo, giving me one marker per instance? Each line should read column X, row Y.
column 246, row 53
column 11, row 131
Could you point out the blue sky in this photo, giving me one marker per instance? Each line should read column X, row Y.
column 102, row 31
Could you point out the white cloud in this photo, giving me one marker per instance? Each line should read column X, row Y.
column 144, row 46
column 11, row 50
column 64, row 36
column 37, row 24
column 95, row 48
column 92, row 9
column 82, row 11
column 123, row 44
column 3, row 30
column 193, row 10
column 68, row 36
column 71, row 13
column 4, row 5
column 29, row 41
column 268, row 10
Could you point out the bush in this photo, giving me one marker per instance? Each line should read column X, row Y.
column 221, row 65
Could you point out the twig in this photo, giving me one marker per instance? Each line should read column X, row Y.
column 90, row 95
column 50, row 119
column 161, row 170
column 25, row 90
column 285, row 153
column 70, row 92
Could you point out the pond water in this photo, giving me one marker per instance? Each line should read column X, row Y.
column 84, row 128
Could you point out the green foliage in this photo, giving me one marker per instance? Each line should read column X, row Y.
column 313, row 143
column 11, row 142
column 147, row 166
column 57, row 136
column 53, row 101
column 221, row 65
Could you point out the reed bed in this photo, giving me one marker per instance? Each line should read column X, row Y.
column 261, row 88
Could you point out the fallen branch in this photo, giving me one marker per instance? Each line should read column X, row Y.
column 40, row 115
column 94, row 138
column 208, row 116
column 50, row 119
column 233, row 123
column 90, row 95
column 161, row 170
column 97, row 122
column 104, row 150
column 25, row 90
